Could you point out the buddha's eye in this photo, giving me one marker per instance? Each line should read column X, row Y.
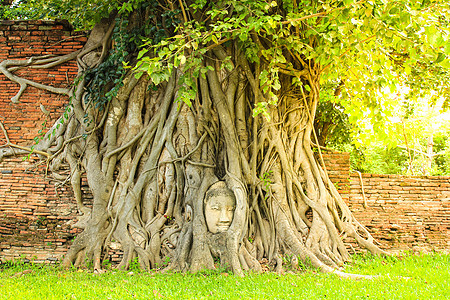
column 214, row 207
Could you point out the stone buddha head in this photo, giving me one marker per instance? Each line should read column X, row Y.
column 219, row 205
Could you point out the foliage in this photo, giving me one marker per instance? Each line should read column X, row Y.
column 13, row 11
column 403, row 277
column 363, row 52
column 378, row 159
column 411, row 38
column 417, row 118
column 104, row 81
column 83, row 14
column 331, row 122
column 442, row 161
column 366, row 45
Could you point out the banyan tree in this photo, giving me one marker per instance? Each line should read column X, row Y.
column 193, row 124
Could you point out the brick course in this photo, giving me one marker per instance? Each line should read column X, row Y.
column 403, row 212
column 35, row 217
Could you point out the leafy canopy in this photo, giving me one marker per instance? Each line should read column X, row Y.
column 366, row 46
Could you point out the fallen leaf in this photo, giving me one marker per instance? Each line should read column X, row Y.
column 156, row 293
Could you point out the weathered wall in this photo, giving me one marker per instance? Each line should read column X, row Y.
column 35, row 217
column 23, row 39
column 404, row 212
column 337, row 166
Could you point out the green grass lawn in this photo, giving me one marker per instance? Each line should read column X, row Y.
column 407, row 277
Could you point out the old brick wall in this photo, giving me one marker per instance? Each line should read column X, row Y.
column 337, row 165
column 23, row 39
column 34, row 215
column 402, row 212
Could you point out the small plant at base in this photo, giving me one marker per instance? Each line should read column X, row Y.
column 287, row 261
column 107, row 264
column 265, row 178
column 304, row 266
column 41, row 221
column 135, row 266
column 164, row 264
column 166, row 261
column 88, row 263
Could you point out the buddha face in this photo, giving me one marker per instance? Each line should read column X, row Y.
column 219, row 211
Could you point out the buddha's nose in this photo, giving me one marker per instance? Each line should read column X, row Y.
column 224, row 216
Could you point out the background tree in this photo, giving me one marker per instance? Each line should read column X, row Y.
column 178, row 102
column 405, row 113
column 413, row 139
column 331, row 123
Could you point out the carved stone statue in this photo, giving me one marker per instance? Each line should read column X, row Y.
column 219, row 205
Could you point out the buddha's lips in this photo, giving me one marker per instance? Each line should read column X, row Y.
column 223, row 227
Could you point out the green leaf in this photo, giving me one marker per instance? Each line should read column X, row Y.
column 214, row 39
column 434, row 36
column 243, row 36
column 138, row 75
column 182, row 59
column 447, row 48
column 228, row 64
column 445, row 63
column 407, row 70
column 440, row 58
column 142, row 53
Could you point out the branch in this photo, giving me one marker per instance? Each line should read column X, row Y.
column 212, row 46
column 311, row 121
column 183, row 10
column 128, row 144
column 4, row 65
column 5, row 133
column 29, row 149
column 308, row 17
column 184, row 158
column 9, row 144
column 322, row 147
column 362, row 189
